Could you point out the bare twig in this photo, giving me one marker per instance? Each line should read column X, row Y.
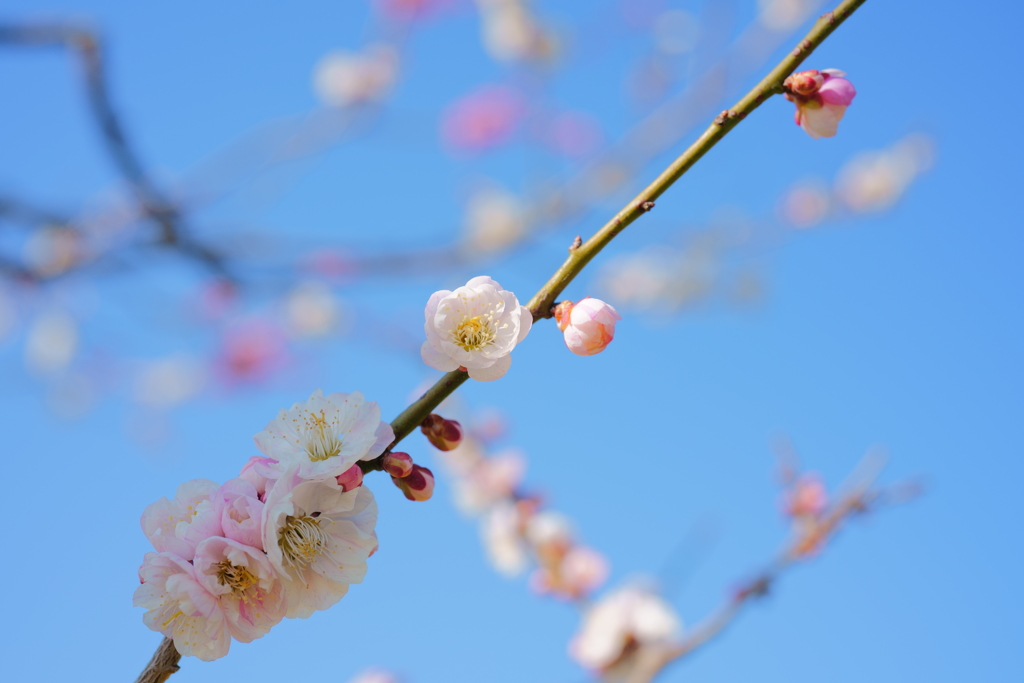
column 162, row 665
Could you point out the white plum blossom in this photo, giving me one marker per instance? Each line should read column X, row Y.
column 250, row 593
column 178, row 526
column 181, row 608
column 475, row 327
column 622, row 625
column 318, row 538
column 325, row 435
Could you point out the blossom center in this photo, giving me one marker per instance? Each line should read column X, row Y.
column 474, row 333
column 321, row 442
column 238, row 579
column 301, row 540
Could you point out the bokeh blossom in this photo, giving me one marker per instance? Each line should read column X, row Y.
column 624, row 625
column 588, row 325
column 821, row 99
column 326, row 435
column 318, row 538
column 475, row 327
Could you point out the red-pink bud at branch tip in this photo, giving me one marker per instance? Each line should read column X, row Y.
column 444, row 434
column 587, row 326
column 821, row 100
column 417, row 485
column 352, row 478
column 398, row 464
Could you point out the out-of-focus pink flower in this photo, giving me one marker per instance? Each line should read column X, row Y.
column 588, row 326
column 250, row 593
column 398, row 464
column 178, row 526
column 326, row 435
column 476, row 327
column 491, row 480
column 483, row 119
column 181, row 608
column 807, row 497
column 821, row 99
column 417, row 485
column 443, row 434
column 251, row 351
column 580, row 572
column 351, row 478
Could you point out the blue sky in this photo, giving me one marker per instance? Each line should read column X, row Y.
column 900, row 330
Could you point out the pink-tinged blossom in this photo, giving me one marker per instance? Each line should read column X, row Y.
column 588, row 326
column 489, row 481
column 181, row 608
column 326, row 435
column 807, row 497
column 351, row 478
column 580, row 572
column 178, row 526
column 239, row 509
column 318, row 537
column 821, row 100
column 250, row 593
column 261, row 473
column 622, row 627
column 251, row 352
column 475, row 327
column 418, row 485
column 483, row 119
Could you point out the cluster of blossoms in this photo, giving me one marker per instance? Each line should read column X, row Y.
column 620, row 629
column 516, row 531
column 285, row 538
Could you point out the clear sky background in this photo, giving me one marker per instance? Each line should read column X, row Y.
column 901, row 330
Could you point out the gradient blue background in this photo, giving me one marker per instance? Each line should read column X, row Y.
column 902, row 330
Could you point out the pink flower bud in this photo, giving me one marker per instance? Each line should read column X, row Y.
column 588, row 326
column 805, row 83
column 352, row 478
column 821, row 100
column 417, row 485
column 398, row 465
column 444, row 434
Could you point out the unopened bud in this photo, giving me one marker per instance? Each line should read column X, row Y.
column 445, row 435
column 588, row 326
column 398, row 465
column 417, row 485
column 352, row 478
column 805, row 83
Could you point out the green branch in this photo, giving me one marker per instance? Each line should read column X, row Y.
column 579, row 256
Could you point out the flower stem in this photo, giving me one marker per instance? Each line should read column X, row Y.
column 540, row 304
